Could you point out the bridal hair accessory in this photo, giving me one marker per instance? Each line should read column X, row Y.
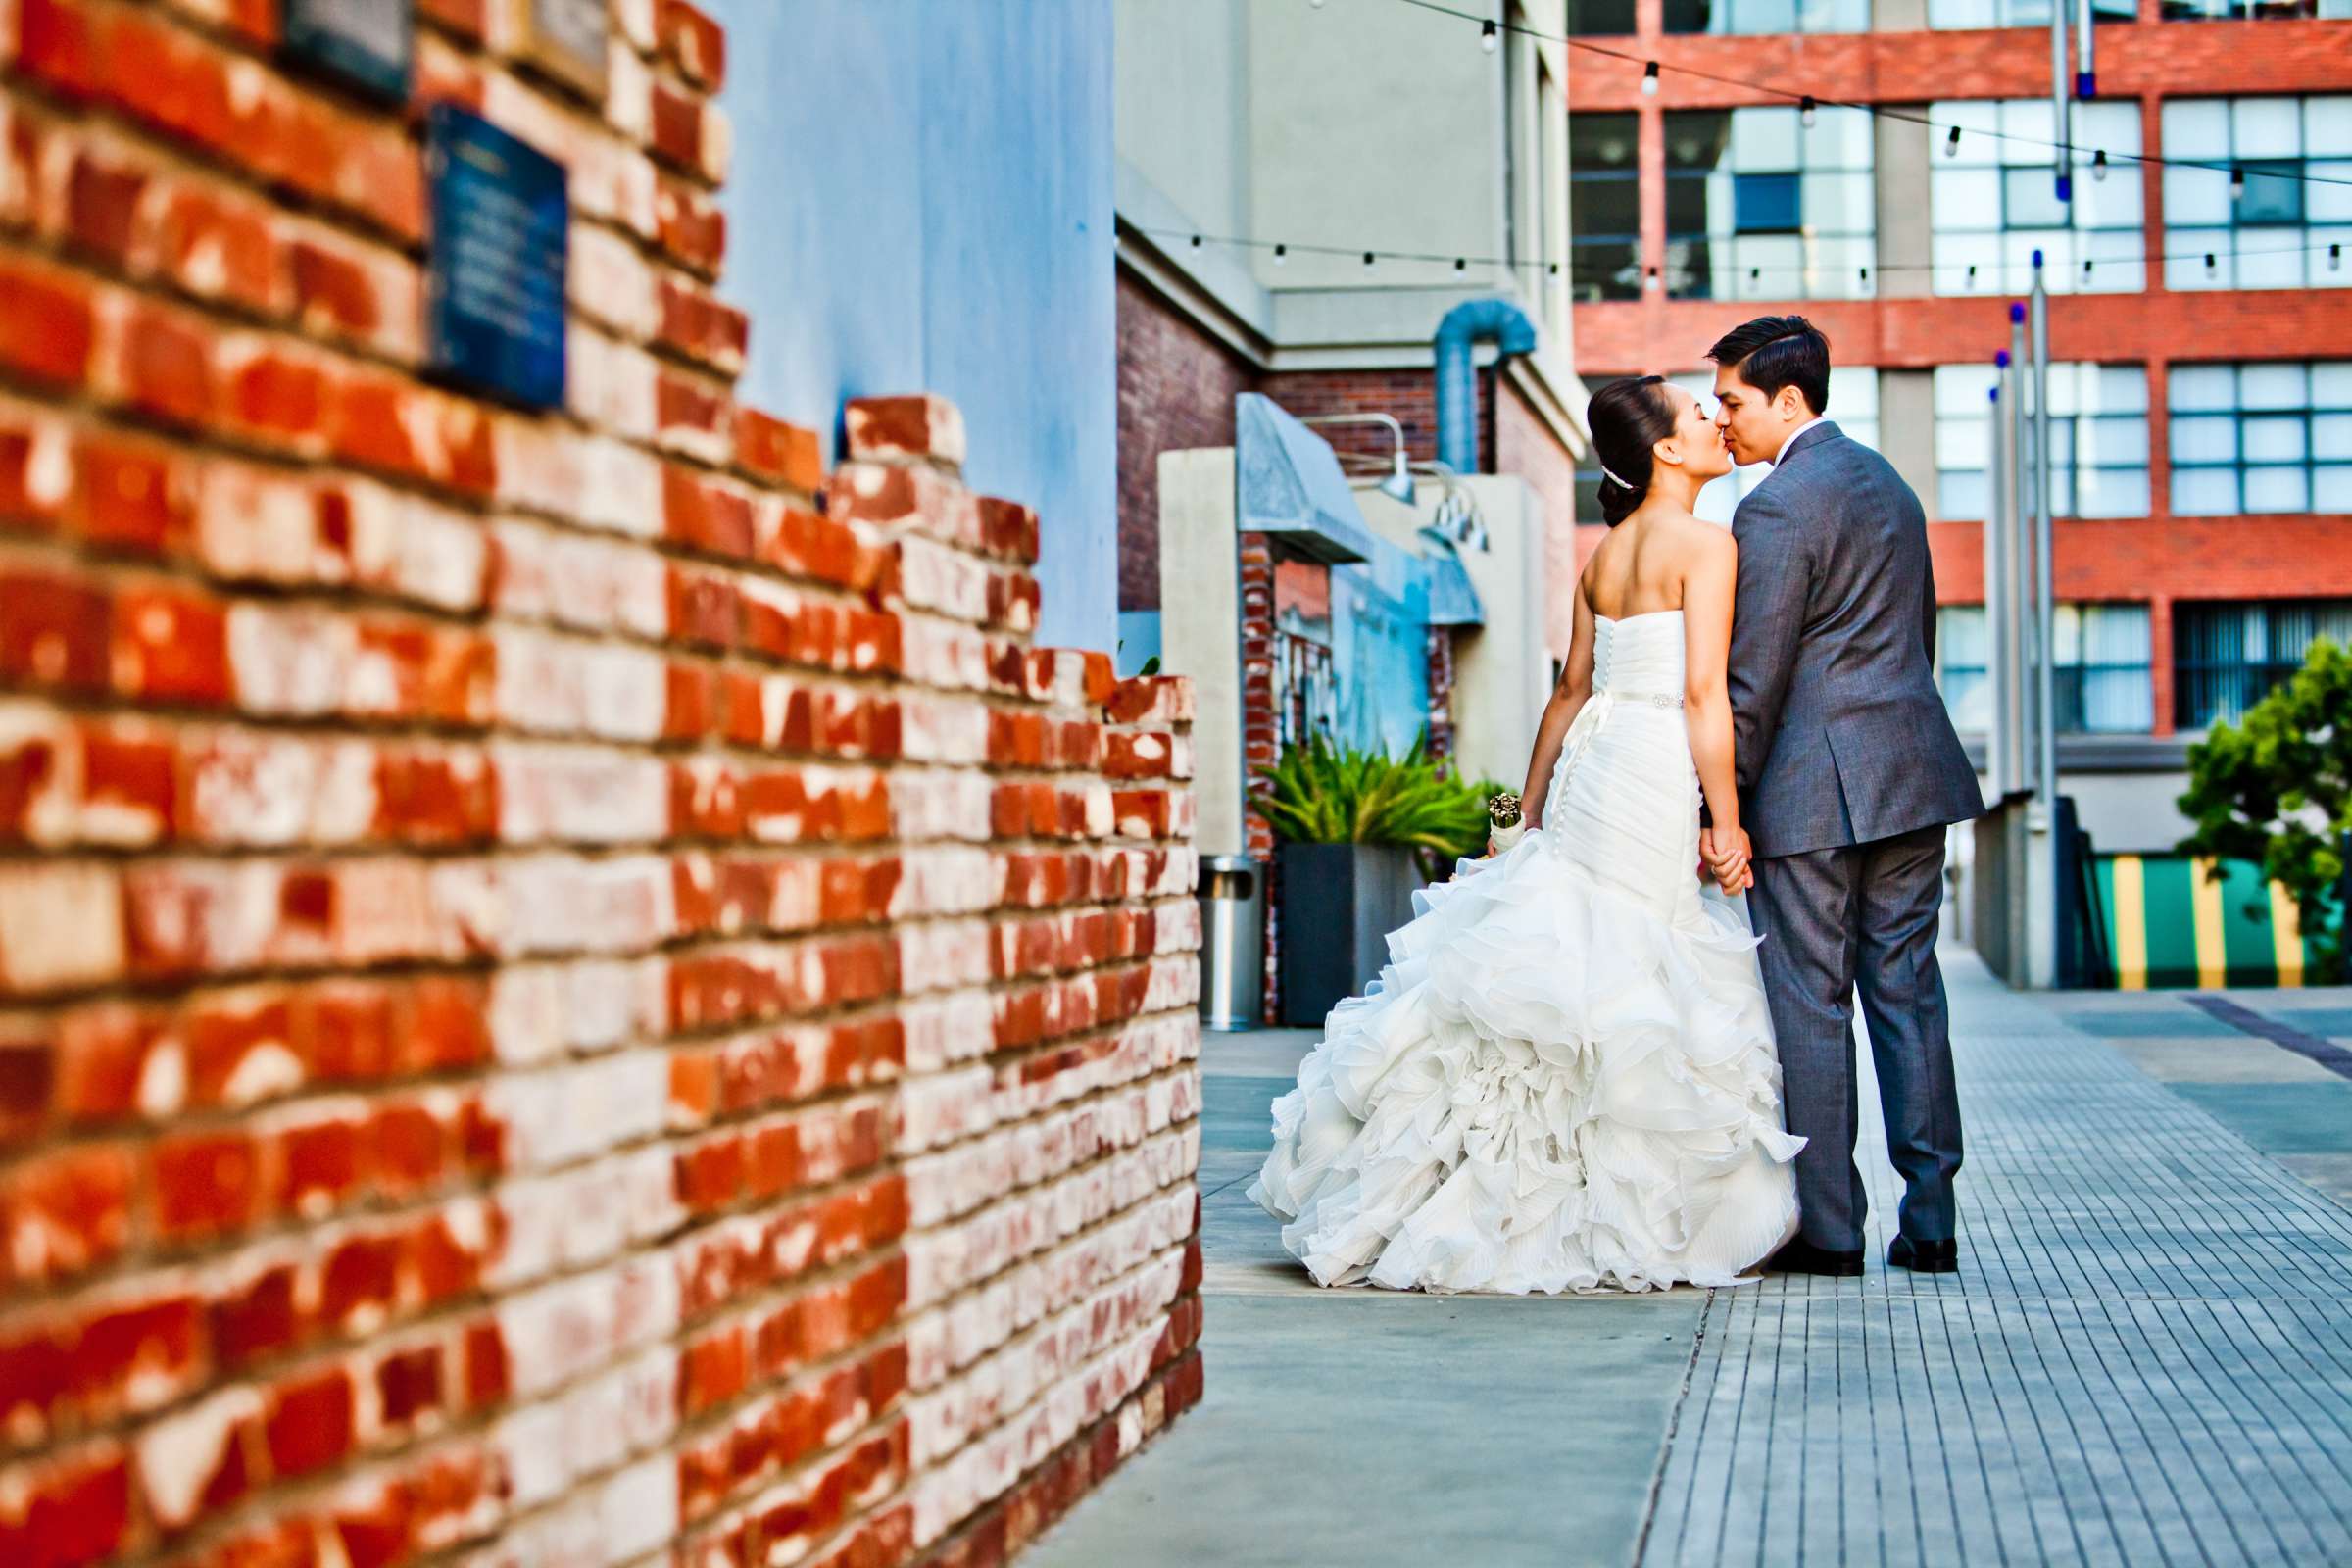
column 1508, row 827
column 1612, row 478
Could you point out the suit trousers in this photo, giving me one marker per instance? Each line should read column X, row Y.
column 1833, row 921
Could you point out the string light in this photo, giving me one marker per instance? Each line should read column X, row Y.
column 1807, row 102
column 2098, row 164
column 1654, row 283
column 2237, row 185
column 1806, row 112
column 2212, row 267
column 1650, row 79
column 1371, row 258
column 1488, row 36
column 1866, row 277
column 1951, row 143
column 2085, row 271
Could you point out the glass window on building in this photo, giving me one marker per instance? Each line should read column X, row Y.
column 2017, row 12
column 1760, row 206
column 2098, row 438
column 1992, row 200
column 1854, row 409
column 2264, row 213
column 2226, row 656
column 1752, row 16
column 1598, row 19
column 2100, row 681
column 1604, row 201
column 1963, row 663
column 2260, row 438
column 2253, row 10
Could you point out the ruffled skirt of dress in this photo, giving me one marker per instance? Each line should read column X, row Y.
column 1550, row 1087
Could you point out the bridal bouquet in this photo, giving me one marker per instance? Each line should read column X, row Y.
column 1502, row 810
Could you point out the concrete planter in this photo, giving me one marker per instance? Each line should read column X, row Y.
column 1338, row 904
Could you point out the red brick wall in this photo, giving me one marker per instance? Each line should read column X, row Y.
column 1176, row 390
column 570, row 988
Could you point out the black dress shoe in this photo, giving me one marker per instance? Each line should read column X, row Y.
column 1924, row 1257
column 1802, row 1256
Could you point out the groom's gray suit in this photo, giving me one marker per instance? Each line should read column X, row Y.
column 1849, row 773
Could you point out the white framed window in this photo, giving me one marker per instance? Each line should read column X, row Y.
column 1992, row 200
column 2262, row 191
column 2261, row 437
column 2099, row 439
column 1760, row 206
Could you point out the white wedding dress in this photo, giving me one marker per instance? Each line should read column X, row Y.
column 1564, row 1078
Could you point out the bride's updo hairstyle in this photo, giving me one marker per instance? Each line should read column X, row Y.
column 1628, row 419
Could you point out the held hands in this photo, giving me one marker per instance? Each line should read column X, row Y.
column 1725, row 856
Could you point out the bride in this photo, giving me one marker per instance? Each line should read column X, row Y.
column 1564, row 1079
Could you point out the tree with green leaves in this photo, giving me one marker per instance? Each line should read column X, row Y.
column 2276, row 788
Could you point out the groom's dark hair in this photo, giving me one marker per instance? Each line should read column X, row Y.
column 1772, row 351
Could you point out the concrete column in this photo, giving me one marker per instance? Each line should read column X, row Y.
column 1901, row 156
column 1200, row 631
column 1907, row 429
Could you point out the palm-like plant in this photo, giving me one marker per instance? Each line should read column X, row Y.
column 1323, row 793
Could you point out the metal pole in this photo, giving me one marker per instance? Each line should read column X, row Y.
column 2087, row 69
column 2017, row 487
column 1997, row 595
column 2045, row 504
column 2061, row 103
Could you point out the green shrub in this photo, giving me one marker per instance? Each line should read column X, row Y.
column 2276, row 788
column 1322, row 793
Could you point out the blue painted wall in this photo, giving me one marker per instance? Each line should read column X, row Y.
column 921, row 201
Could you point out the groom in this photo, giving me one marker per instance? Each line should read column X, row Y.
column 1848, row 772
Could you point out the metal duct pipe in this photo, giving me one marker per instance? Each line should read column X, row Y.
column 1491, row 320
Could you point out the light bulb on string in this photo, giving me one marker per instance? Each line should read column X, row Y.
column 1367, row 258
column 1462, row 264
column 1488, row 35
column 1805, row 111
column 2212, row 266
column 1971, row 276
column 1195, row 242
column 2087, row 273
column 1653, row 282
column 1555, row 269
column 1282, row 254
column 1951, row 143
column 1866, row 277
column 2237, row 185
column 2098, row 164
column 2336, row 258
column 1650, row 79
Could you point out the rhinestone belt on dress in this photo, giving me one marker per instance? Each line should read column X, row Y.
column 1654, row 699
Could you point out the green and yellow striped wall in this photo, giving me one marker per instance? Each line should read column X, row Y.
column 2172, row 921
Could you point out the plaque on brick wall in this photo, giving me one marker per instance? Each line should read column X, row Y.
column 566, row 38
column 366, row 44
column 494, row 275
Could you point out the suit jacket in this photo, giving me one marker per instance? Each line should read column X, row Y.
column 1840, row 735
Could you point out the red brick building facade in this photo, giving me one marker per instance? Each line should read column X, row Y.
column 2177, row 560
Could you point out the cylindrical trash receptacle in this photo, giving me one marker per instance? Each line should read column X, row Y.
column 1233, row 941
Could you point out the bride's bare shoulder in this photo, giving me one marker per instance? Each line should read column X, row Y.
column 1699, row 539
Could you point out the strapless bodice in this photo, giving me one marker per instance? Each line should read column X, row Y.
column 1639, row 655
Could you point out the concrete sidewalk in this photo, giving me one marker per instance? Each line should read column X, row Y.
column 2146, row 1358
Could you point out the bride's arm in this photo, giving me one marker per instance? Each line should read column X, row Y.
column 1567, row 700
column 1708, row 592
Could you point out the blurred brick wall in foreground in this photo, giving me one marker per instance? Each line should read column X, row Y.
column 572, row 989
